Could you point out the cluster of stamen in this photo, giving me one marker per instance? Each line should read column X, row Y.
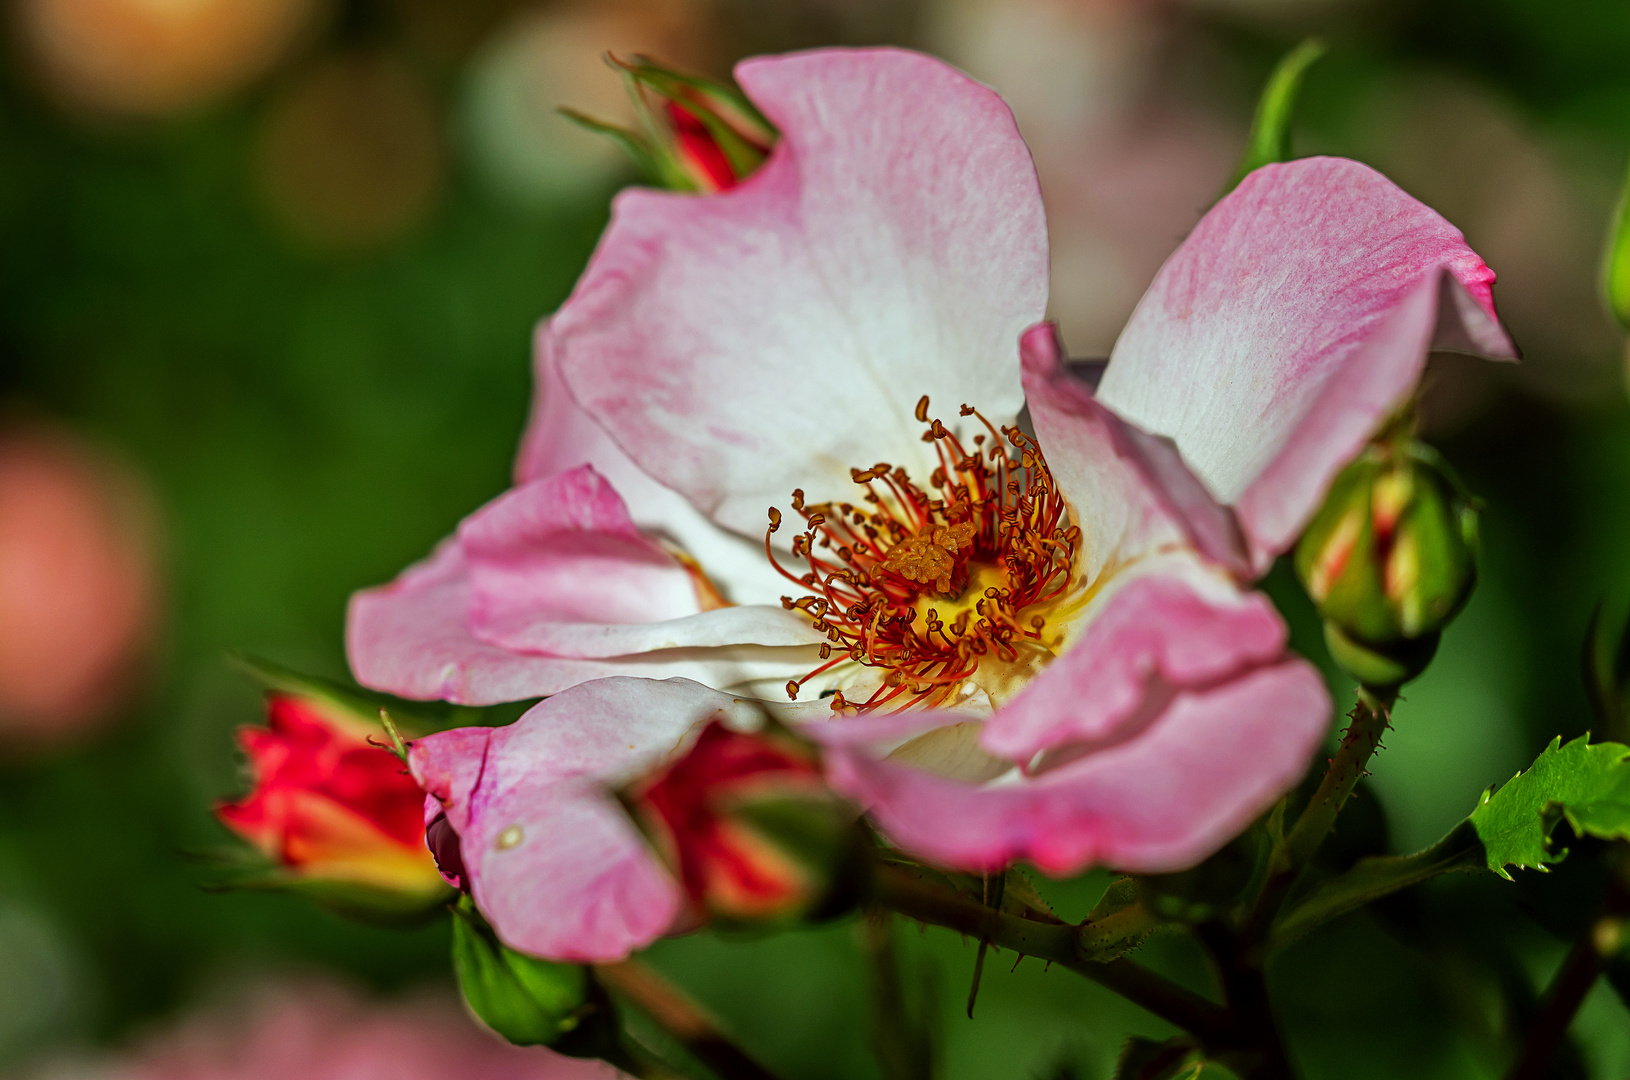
column 988, row 539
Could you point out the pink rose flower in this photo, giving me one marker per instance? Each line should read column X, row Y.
column 321, row 1031
column 1012, row 646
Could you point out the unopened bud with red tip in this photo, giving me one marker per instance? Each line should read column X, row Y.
column 696, row 134
column 334, row 811
column 749, row 828
column 1390, row 559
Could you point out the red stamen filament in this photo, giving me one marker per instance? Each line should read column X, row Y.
column 880, row 572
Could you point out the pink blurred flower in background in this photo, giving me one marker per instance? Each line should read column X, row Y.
column 79, row 592
column 321, row 1031
column 1051, row 641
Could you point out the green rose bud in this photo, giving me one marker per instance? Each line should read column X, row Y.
column 1390, row 559
column 528, row 1001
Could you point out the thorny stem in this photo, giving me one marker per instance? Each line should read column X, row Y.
column 681, row 1018
column 900, row 1042
column 897, row 889
column 1246, row 993
column 1370, row 719
column 1595, row 946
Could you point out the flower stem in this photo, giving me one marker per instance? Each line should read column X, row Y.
column 1370, row 718
column 897, row 889
column 902, row 1043
column 1596, row 945
column 1246, row 992
column 681, row 1018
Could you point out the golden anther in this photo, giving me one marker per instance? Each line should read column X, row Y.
column 922, row 410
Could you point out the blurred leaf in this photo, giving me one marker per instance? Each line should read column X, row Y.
column 1588, row 784
column 1372, row 878
column 1615, row 272
column 1269, row 140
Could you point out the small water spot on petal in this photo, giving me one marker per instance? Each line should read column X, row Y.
column 510, row 837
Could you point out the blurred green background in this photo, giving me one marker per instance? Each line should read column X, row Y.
column 282, row 277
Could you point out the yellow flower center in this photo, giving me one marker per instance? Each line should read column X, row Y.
column 944, row 587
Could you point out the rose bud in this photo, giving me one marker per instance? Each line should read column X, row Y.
column 336, row 813
column 748, row 826
column 698, row 135
column 1390, row 559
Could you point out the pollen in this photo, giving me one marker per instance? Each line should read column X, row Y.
column 935, row 586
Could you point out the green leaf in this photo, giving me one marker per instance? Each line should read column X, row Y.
column 1588, row 784
column 1269, row 140
column 1615, row 272
column 528, row 1001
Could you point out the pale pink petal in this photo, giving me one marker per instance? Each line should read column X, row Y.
column 1167, row 625
column 412, row 638
column 563, row 549
column 774, row 336
column 1207, row 765
column 1289, row 324
column 558, row 568
column 553, row 862
column 1129, row 491
column 561, row 436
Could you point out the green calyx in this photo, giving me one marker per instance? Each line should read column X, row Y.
column 1390, row 559
column 530, row 1002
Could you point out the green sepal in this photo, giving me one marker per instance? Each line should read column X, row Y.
column 233, row 869
column 1390, row 559
column 1586, row 784
column 1118, row 923
column 1615, row 269
column 1269, row 140
column 530, row 1002
column 655, row 166
column 723, row 109
column 415, row 718
column 1380, row 667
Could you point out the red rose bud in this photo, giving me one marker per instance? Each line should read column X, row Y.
column 1390, row 559
column 696, row 134
column 338, row 815
column 748, row 826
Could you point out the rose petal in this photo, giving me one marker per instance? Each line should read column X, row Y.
column 742, row 345
column 1171, row 623
column 557, row 567
column 553, row 862
column 412, row 638
column 561, row 436
column 1129, row 491
column 1203, row 769
column 1295, row 317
